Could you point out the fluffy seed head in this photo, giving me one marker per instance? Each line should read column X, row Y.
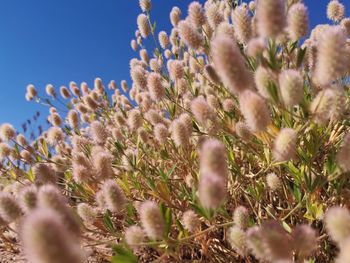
column 155, row 86
column 196, row 14
column 263, row 79
column 161, row 133
column 331, row 61
column 49, row 197
column 134, row 235
column 343, row 154
column 255, row 243
column 90, row 102
column 298, row 21
column 337, row 220
column 64, row 92
column 133, row 44
column 82, row 172
column 190, row 35
column 45, row 239
column 31, row 92
column 255, row 47
column 114, row 196
column 87, row 213
column 145, row 5
column 228, row 105
column 273, row 182
column 251, row 5
column 241, row 217
column 242, row 130
column 345, row 23
column 212, row 190
column 230, row 65
column 139, row 77
column 203, row 113
column 21, row 140
column 344, row 254
column 335, row 11
column 191, row 221
column 211, row 74
column 237, row 239
column 291, row 87
column 98, row 132
column 44, row 174
column 226, row 29
column 179, row 133
column 187, row 121
column 73, row 119
column 284, row 148
column 304, row 240
column 29, row 198
column 163, row 39
column 134, row 119
column 321, row 106
column 55, row 135
column 102, row 162
column 152, row 220
column 9, row 208
column 214, row 15
column 276, row 241
column 175, row 16
column 7, row 132
column 213, row 157
column 271, row 16
column 154, row 65
column 254, row 110
column 55, row 119
column 143, row 25
column 242, row 23
column 175, row 68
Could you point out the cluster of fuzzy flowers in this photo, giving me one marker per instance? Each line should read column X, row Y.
column 230, row 143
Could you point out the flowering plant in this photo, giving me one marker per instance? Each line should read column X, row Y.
column 231, row 145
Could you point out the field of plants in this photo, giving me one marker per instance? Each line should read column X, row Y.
column 230, row 144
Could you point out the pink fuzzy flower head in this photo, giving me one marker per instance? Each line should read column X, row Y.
column 331, row 61
column 212, row 190
column 152, row 220
column 213, row 157
column 242, row 23
column 7, row 132
column 10, row 210
column 134, row 235
column 271, row 16
column 190, row 36
column 143, row 25
column 114, row 196
column 298, row 21
column 191, row 221
column 229, row 64
column 46, row 239
column 337, row 221
column 254, row 110
column 285, row 145
column 155, row 86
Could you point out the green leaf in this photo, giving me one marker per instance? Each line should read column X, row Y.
column 273, row 91
column 171, row 171
column 107, row 222
column 286, row 227
column 300, row 56
column 168, row 220
column 123, row 255
column 30, row 175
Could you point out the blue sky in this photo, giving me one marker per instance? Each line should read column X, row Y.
column 56, row 42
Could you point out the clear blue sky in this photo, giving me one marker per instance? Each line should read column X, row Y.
column 56, row 42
